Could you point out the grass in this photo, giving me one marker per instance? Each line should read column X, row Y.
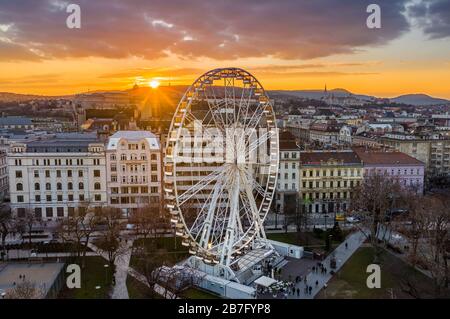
column 350, row 281
column 309, row 240
column 194, row 293
column 174, row 250
column 137, row 290
column 92, row 275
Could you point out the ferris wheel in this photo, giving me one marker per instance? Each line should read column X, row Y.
column 221, row 166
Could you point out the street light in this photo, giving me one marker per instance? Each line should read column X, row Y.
column 106, row 273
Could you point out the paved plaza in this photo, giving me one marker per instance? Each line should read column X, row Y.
column 302, row 267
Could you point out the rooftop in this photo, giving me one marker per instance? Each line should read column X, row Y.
column 385, row 158
column 15, row 120
column 318, row 157
column 133, row 136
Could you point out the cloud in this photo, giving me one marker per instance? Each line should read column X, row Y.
column 433, row 16
column 219, row 29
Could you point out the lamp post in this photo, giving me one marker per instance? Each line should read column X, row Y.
column 106, row 273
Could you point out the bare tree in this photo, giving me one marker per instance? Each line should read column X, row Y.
column 7, row 224
column 374, row 199
column 27, row 222
column 432, row 249
column 78, row 229
column 146, row 222
column 110, row 241
column 25, row 290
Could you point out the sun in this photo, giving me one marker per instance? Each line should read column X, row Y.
column 154, row 84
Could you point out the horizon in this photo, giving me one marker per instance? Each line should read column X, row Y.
column 176, row 42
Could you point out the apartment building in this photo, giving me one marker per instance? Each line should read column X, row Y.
column 327, row 179
column 134, row 172
column 406, row 170
column 4, row 185
column 288, row 174
column 433, row 152
column 52, row 177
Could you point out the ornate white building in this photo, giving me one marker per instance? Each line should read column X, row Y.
column 134, row 174
column 52, row 177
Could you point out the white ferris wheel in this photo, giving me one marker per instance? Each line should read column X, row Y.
column 221, row 169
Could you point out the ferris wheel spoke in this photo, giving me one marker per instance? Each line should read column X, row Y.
column 252, row 202
column 193, row 190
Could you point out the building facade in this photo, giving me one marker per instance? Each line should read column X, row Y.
column 288, row 175
column 4, row 185
column 406, row 170
column 327, row 179
column 434, row 153
column 134, row 172
column 53, row 177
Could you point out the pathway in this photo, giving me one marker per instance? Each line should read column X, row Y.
column 122, row 263
column 341, row 253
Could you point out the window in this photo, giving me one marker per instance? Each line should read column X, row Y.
column 58, row 173
column 96, row 173
column 18, row 174
column 97, row 186
column 36, row 174
column 60, row 211
column 123, row 157
column 37, row 198
column 69, row 173
column 59, row 186
column 81, row 197
column 20, row 199
column 153, row 157
column 97, row 197
column 48, row 186
column 19, row 187
column 60, row 198
column 69, row 186
column 38, row 212
column 49, row 211
column 47, row 173
column 70, row 211
column 80, row 186
column 49, row 198
column 80, row 173
column 70, row 197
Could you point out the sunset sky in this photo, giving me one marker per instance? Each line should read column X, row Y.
column 286, row 44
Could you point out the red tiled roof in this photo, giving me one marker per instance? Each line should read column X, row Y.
column 380, row 157
column 312, row 158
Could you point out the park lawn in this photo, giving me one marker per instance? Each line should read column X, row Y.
column 350, row 281
column 175, row 251
column 309, row 240
column 137, row 290
column 195, row 293
column 94, row 274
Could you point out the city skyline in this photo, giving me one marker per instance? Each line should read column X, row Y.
column 175, row 42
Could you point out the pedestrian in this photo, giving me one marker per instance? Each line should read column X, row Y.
column 310, row 289
column 317, row 283
column 346, row 245
column 313, row 269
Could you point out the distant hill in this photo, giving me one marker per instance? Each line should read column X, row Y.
column 319, row 94
column 419, row 99
column 14, row 97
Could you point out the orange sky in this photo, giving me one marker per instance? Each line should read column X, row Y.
column 410, row 61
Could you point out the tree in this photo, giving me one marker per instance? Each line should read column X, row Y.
column 78, row 229
column 432, row 249
column 146, row 222
column 27, row 222
column 374, row 200
column 7, row 224
column 25, row 290
column 109, row 241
